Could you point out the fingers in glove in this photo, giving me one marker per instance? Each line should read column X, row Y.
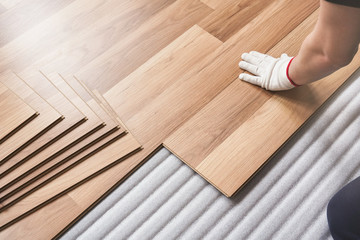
column 249, row 67
column 251, row 58
column 263, row 57
column 250, row 79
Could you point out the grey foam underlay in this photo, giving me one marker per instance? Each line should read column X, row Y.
column 287, row 199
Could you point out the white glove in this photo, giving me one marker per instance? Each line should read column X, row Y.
column 270, row 73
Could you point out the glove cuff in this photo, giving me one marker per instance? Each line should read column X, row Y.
column 287, row 74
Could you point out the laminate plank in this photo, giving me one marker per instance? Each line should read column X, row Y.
column 253, row 140
column 52, row 38
column 208, row 128
column 215, row 4
column 189, row 93
column 190, row 96
column 86, row 170
column 92, row 101
column 230, row 18
column 136, row 48
column 73, row 118
column 45, row 222
column 85, row 135
column 43, row 176
column 272, row 24
column 121, row 20
column 47, row 119
column 72, row 142
column 163, row 71
column 25, row 15
column 15, row 113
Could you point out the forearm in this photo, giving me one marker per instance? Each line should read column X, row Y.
column 313, row 62
column 332, row 44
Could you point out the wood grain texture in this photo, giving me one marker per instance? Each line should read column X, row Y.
column 251, row 124
column 44, row 175
column 25, row 15
column 73, row 118
column 136, row 48
column 45, row 222
column 77, row 141
column 47, row 119
column 14, row 112
column 232, row 16
column 192, row 92
column 202, row 133
column 120, row 21
column 104, row 44
column 84, row 171
column 215, row 4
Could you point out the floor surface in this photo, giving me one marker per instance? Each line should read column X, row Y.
column 165, row 199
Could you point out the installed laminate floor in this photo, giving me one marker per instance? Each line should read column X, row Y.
column 169, row 69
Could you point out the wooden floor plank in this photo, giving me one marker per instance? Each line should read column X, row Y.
column 85, row 134
column 121, row 20
column 15, row 113
column 136, row 48
column 25, row 15
column 232, row 16
column 215, row 4
column 47, row 119
column 73, row 118
column 189, row 94
column 198, row 137
column 198, row 84
column 163, row 71
column 75, row 141
column 240, row 133
column 47, row 221
column 40, row 177
column 85, row 170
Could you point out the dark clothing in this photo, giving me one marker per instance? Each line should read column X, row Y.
column 350, row 3
column 343, row 212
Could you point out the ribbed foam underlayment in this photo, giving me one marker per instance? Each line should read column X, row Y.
column 287, row 199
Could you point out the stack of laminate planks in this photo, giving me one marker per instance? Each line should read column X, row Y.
column 55, row 135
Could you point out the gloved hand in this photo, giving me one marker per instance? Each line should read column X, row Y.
column 270, row 73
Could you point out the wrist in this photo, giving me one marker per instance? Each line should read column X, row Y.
column 288, row 75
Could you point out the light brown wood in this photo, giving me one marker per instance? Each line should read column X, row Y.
column 14, row 112
column 25, row 15
column 85, row 170
column 45, row 222
column 251, row 124
column 47, row 119
column 231, row 16
column 215, row 4
column 77, row 141
column 109, row 50
column 199, row 136
column 42, row 176
column 136, row 48
column 73, row 118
